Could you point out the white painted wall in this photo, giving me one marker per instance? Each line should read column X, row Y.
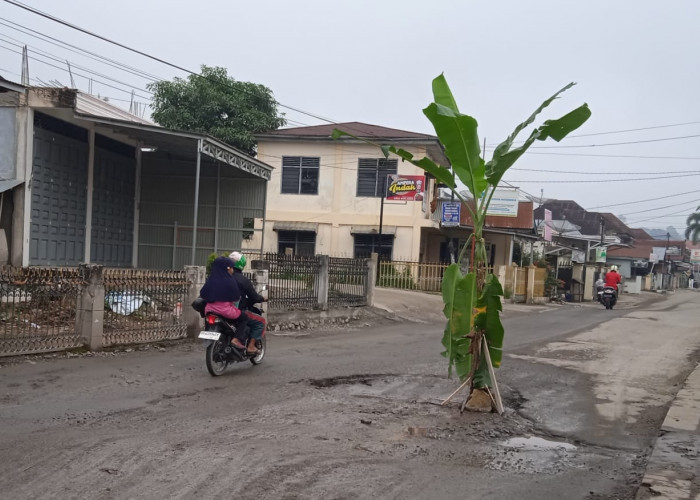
column 336, row 207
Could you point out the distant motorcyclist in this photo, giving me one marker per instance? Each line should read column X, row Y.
column 249, row 296
column 613, row 278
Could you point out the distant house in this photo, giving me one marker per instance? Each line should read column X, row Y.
column 501, row 233
column 649, row 257
column 325, row 195
column 589, row 223
column 325, row 198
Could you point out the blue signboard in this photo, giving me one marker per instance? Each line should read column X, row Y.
column 450, row 213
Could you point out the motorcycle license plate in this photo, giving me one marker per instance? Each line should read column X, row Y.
column 209, row 335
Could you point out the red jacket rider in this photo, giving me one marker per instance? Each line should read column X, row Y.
column 612, row 278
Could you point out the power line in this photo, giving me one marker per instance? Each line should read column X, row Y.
column 645, row 200
column 75, row 72
column 615, row 143
column 610, row 180
column 56, row 58
column 78, row 50
column 617, row 156
column 635, row 129
column 578, row 172
column 659, row 208
column 149, row 56
column 491, row 146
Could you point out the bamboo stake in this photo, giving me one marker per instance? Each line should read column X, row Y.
column 454, row 393
column 498, row 402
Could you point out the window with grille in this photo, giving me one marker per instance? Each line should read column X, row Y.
column 371, row 175
column 296, row 242
column 300, row 174
column 366, row 244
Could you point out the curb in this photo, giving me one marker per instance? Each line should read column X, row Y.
column 672, row 470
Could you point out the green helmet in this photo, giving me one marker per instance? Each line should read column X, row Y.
column 239, row 260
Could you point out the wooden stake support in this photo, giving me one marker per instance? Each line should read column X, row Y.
column 455, row 393
column 497, row 400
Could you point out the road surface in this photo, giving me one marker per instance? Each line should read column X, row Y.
column 354, row 412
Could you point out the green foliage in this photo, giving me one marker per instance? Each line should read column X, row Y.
column 692, row 232
column 551, row 282
column 216, row 104
column 473, row 300
column 211, row 258
column 458, row 296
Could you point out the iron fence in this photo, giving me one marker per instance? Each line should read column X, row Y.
column 347, row 282
column 38, row 309
column 421, row 276
column 293, row 281
column 143, row 305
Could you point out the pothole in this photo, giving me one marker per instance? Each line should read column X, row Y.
column 533, row 443
column 365, row 379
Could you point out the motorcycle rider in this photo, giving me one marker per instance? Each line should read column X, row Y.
column 222, row 295
column 249, row 296
column 613, row 278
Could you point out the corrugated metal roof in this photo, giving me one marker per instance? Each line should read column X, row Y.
column 93, row 106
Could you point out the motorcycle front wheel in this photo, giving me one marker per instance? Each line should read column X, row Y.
column 262, row 344
column 216, row 359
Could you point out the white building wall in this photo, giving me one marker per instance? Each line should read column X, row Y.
column 336, row 208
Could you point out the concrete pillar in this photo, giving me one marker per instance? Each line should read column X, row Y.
column 589, row 291
column 17, row 248
column 196, row 275
column 530, row 289
column 371, row 278
column 90, row 313
column 323, row 283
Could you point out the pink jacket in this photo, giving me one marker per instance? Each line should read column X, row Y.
column 226, row 309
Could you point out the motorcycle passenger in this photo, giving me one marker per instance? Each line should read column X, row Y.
column 222, row 296
column 249, row 296
column 613, row 278
column 599, row 284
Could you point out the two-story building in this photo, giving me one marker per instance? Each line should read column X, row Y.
column 325, row 195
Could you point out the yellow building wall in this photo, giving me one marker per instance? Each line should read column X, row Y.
column 336, row 207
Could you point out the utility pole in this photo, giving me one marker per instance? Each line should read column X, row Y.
column 25, row 67
column 667, row 261
column 381, row 224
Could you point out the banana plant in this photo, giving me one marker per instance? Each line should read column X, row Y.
column 472, row 301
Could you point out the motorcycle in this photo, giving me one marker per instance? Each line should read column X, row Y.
column 217, row 335
column 609, row 297
column 599, row 293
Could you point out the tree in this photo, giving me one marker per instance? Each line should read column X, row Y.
column 473, row 337
column 216, row 104
column 692, row 232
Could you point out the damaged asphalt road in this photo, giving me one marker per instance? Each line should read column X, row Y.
column 353, row 412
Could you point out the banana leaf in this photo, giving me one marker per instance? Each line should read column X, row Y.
column 458, row 134
column 458, row 294
column 504, row 157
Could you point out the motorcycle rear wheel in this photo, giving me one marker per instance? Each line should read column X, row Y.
column 215, row 358
column 258, row 359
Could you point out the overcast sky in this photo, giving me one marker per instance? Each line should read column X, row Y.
column 636, row 65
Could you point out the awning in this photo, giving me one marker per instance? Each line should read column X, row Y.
column 372, row 230
column 295, row 226
column 7, row 185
